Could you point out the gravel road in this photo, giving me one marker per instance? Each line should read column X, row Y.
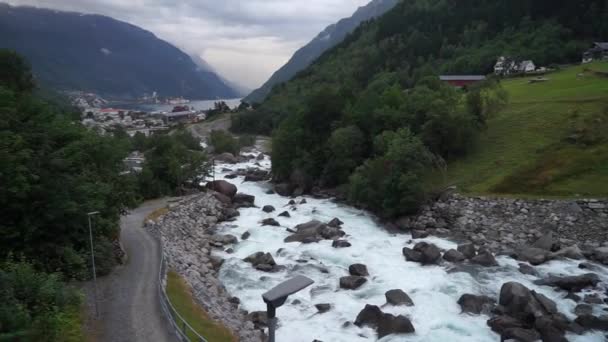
column 129, row 308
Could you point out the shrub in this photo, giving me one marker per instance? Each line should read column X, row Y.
column 223, row 142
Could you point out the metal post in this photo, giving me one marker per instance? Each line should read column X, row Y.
column 271, row 314
column 93, row 262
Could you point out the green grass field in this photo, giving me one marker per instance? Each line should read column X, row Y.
column 180, row 295
column 551, row 140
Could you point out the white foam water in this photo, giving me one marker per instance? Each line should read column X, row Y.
column 435, row 290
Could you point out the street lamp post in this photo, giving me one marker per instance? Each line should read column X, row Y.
column 93, row 261
column 277, row 297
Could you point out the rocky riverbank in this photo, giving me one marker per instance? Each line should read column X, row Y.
column 187, row 236
column 504, row 225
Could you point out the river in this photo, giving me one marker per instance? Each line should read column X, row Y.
column 435, row 290
column 161, row 107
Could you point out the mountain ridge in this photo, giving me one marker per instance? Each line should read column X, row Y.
column 326, row 39
column 96, row 53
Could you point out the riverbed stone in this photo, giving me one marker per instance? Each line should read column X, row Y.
column 429, row 253
column 268, row 209
column 340, row 244
column 475, row 304
column 323, row 308
column 285, row 214
column 358, row 270
column 527, row 269
column 583, row 309
column 223, row 187
column 352, row 282
column 453, row 255
column 270, row 222
column 398, row 297
column 335, row 222
column 484, row 259
column 571, row 283
column 467, row 249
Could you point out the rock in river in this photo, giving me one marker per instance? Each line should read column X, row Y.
column 352, row 282
column 398, row 297
column 223, row 187
column 476, row 304
column 358, row 270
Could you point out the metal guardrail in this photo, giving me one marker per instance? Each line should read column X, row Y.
column 182, row 329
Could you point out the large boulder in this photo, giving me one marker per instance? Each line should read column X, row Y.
column 385, row 324
column 547, row 242
column 340, row 244
column 244, row 200
column 268, row 209
column 429, row 253
column 411, row 255
column 593, row 322
column 600, row 255
column 227, row 158
column 314, row 231
column 259, row 319
column 533, row 255
column 453, row 256
column 358, row 270
column 390, row 324
column 519, row 302
column 225, row 239
column 323, row 308
column 572, row 252
column 467, row 249
column 520, row 334
column 262, row 261
column 352, row 282
column 223, row 187
column 501, row 323
column 476, row 304
column 571, row 283
column 398, row 297
column 370, row 315
column 270, row 222
column 527, row 269
column 484, row 259
column 335, row 222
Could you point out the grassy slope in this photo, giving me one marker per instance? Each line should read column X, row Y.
column 180, row 295
column 523, row 151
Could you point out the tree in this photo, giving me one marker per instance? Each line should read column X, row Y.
column 391, row 183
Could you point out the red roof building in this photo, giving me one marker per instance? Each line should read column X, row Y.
column 461, row 81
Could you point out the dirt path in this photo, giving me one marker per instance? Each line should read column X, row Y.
column 129, row 308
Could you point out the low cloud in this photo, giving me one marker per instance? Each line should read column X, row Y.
column 244, row 40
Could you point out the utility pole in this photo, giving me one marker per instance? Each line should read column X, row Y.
column 93, row 261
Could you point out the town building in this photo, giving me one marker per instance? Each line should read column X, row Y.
column 599, row 51
column 175, row 118
column 462, row 81
column 506, row 66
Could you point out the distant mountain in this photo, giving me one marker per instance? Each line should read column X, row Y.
column 74, row 51
column 327, row 39
column 241, row 90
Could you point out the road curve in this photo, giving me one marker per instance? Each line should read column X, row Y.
column 129, row 308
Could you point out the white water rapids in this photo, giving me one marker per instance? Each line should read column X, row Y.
column 435, row 290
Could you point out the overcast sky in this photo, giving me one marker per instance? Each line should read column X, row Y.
column 244, row 40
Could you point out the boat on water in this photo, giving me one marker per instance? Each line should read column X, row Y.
column 177, row 101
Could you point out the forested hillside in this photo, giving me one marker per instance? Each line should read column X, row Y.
column 53, row 172
column 370, row 114
column 332, row 35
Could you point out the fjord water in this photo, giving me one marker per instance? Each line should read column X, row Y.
column 435, row 290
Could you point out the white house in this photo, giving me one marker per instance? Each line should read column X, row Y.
column 507, row 66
